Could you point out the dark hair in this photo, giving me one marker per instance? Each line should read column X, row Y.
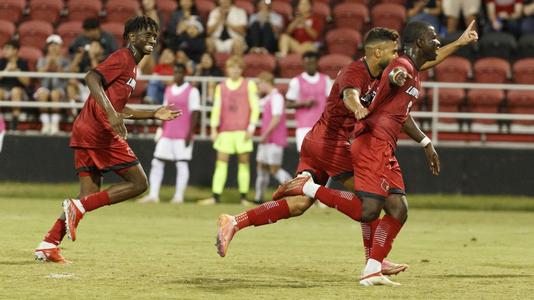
column 13, row 43
column 380, row 34
column 180, row 66
column 311, row 54
column 91, row 23
column 413, row 31
column 137, row 24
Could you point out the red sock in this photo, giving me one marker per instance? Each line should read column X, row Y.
column 267, row 213
column 346, row 202
column 368, row 232
column 95, row 201
column 56, row 233
column 387, row 230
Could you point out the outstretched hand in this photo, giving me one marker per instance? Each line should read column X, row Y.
column 432, row 159
column 470, row 35
column 165, row 113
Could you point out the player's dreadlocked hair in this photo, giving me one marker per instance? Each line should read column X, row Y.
column 138, row 23
column 380, row 34
column 413, row 31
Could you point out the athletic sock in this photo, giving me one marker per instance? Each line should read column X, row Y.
column 385, row 234
column 95, row 201
column 155, row 177
column 346, row 202
column 219, row 177
column 282, row 176
column 182, row 178
column 372, row 266
column 243, row 178
column 310, row 189
column 368, row 231
column 56, row 233
column 267, row 213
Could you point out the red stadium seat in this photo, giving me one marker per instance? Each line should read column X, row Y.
column 283, row 8
column 246, row 5
column 80, row 10
column 115, row 28
column 290, row 66
column 401, row 2
column 343, row 41
column 7, row 30
column 453, row 69
column 166, row 7
column 389, row 15
column 256, row 63
column 204, row 8
column 121, row 10
column 69, row 31
column 522, row 102
column 350, row 15
column 11, row 10
column 45, row 10
column 331, row 64
column 31, row 55
column 492, row 70
column 321, row 9
column 34, row 33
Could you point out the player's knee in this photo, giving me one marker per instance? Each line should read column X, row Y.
column 369, row 215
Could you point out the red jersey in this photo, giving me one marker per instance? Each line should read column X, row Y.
column 337, row 122
column 92, row 129
column 391, row 105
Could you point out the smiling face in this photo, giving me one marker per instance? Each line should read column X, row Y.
column 144, row 40
column 429, row 44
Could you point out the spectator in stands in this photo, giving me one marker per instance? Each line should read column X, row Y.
column 425, row 10
column 527, row 25
column 264, row 28
column 233, row 122
column 149, row 8
column 156, row 88
column 504, row 15
column 85, row 59
column 307, row 93
column 207, row 67
column 177, row 24
column 303, row 33
column 13, row 88
column 92, row 32
column 227, row 28
column 182, row 58
column 452, row 9
column 51, row 89
column 191, row 40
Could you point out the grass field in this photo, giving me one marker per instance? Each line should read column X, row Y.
column 457, row 248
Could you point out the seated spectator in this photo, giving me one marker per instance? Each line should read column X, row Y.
column 264, row 29
column 51, row 89
column 504, row 15
column 182, row 58
column 227, row 28
column 177, row 23
column 527, row 25
column 156, row 88
column 149, row 8
column 303, row 32
column 13, row 88
column 92, row 31
column 84, row 59
column 191, row 41
column 207, row 67
column 453, row 8
column 428, row 11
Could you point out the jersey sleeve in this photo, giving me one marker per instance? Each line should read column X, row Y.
column 194, row 100
column 111, row 68
column 277, row 105
column 292, row 93
column 352, row 78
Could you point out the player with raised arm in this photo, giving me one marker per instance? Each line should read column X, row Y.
column 99, row 136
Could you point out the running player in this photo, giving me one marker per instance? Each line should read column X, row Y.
column 99, row 136
column 176, row 142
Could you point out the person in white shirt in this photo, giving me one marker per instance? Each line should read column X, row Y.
column 307, row 93
column 227, row 28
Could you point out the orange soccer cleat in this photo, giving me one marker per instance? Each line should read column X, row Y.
column 50, row 255
column 73, row 215
column 225, row 232
column 291, row 188
column 391, row 268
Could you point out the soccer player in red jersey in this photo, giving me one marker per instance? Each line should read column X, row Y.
column 99, row 136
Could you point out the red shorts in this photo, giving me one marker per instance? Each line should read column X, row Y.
column 377, row 171
column 324, row 160
column 101, row 160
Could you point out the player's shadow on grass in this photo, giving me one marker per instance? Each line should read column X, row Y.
column 480, row 276
column 218, row 284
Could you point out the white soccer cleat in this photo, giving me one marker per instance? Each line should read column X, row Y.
column 177, row 201
column 377, row 279
column 148, row 199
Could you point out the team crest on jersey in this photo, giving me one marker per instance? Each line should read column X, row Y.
column 412, row 91
column 131, row 82
column 367, row 99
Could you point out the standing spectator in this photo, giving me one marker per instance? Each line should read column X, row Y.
column 227, row 28
column 452, row 9
column 176, row 142
column 428, row 11
column 51, row 89
column 233, row 121
column 504, row 15
column 191, row 41
column 264, row 28
column 303, row 32
column 156, row 88
column 527, row 25
column 84, row 60
column 176, row 25
column 149, row 8
column 207, row 67
column 273, row 138
column 13, row 88
column 92, row 32
column 307, row 93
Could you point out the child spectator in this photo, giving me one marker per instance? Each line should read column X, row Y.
column 264, row 29
column 191, row 41
column 303, row 32
column 155, row 88
column 176, row 25
column 227, row 28
column 207, row 67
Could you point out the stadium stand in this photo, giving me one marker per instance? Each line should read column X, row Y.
column 343, row 41
column 7, row 30
column 11, row 10
column 79, row 10
column 46, row 10
column 257, row 62
column 389, row 15
column 34, row 33
column 351, row 15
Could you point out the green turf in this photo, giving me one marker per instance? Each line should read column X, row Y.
column 166, row 252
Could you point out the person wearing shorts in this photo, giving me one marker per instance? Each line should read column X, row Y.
column 453, row 9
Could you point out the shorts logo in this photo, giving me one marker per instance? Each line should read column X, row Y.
column 384, row 185
column 131, row 82
column 412, row 91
